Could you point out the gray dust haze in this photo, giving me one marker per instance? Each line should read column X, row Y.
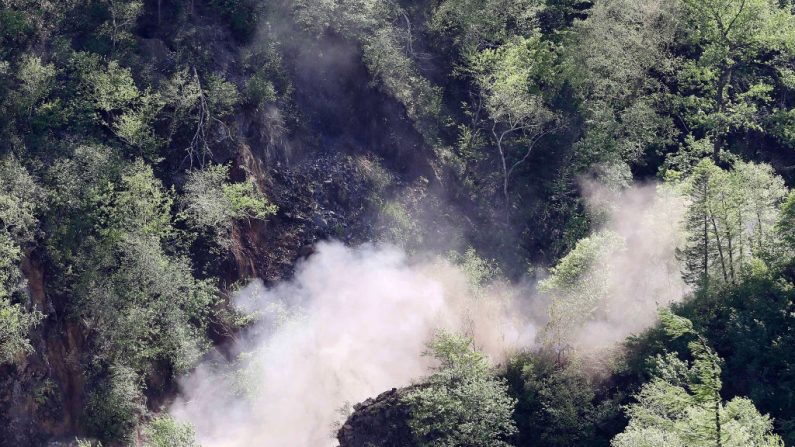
column 640, row 274
column 353, row 322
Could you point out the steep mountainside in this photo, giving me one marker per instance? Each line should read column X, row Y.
column 587, row 170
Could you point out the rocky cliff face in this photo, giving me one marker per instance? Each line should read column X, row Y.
column 381, row 422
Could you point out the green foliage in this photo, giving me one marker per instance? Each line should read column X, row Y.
column 578, row 285
column 15, row 324
column 241, row 15
column 211, row 203
column 141, row 303
column 141, row 205
column 730, row 220
column 612, row 55
column 786, row 224
column 689, row 155
column 137, row 300
column 386, row 60
column 15, row 28
column 246, row 202
column 148, row 308
column 479, row 271
column 144, row 304
column 20, row 199
column 260, row 89
column 195, row 109
column 509, row 79
column 135, row 125
column 386, row 49
column 164, row 431
column 110, row 88
column 122, row 16
column 473, row 24
column 401, row 227
column 76, row 185
column 108, row 94
column 558, row 403
column 269, row 82
column 749, row 325
column 36, row 81
column 682, row 405
column 462, row 403
column 102, row 109
column 113, row 408
column 742, row 46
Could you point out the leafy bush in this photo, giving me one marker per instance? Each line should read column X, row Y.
column 475, row 23
column 210, row 203
column 682, row 404
column 144, row 304
column 164, row 431
column 400, row 226
column 240, row 15
column 559, row 402
column 462, row 403
column 20, row 198
column 15, row 324
column 113, row 409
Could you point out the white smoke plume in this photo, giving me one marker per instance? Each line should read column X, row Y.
column 359, row 319
column 353, row 322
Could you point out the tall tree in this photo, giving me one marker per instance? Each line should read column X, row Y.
column 742, row 51
column 476, row 24
column 697, row 253
column 730, row 220
column 682, row 406
column 614, row 54
column 509, row 78
column 19, row 202
column 579, row 286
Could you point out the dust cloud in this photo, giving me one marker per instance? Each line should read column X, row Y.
column 639, row 275
column 354, row 321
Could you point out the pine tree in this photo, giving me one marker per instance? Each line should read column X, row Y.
column 682, row 406
column 697, row 254
column 729, row 221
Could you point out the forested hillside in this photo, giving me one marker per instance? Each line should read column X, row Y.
column 506, row 222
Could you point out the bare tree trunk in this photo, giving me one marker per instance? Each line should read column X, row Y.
column 500, row 138
column 706, row 252
column 720, row 250
column 731, row 254
column 720, row 106
column 506, row 171
column 718, row 440
column 718, row 428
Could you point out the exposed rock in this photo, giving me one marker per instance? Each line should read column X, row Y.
column 379, row 422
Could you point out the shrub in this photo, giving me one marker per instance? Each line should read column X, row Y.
column 462, row 403
column 164, row 431
column 113, row 409
column 15, row 323
column 212, row 204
